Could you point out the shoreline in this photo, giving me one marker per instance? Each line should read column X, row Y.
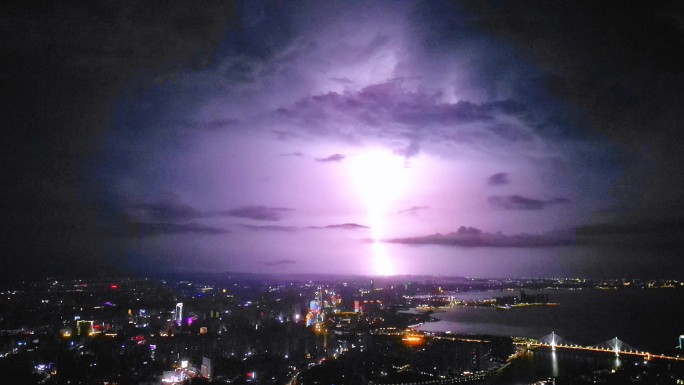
column 519, row 305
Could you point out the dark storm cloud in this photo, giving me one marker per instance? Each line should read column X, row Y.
column 413, row 210
column 392, row 107
column 409, row 151
column 517, row 202
column 64, row 65
column 286, row 135
column 168, row 211
column 257, row 213
column 473, row 237
column 142, row 229
column 297, row 154
column 331, row 158
column 220, row 124
column 345, row 81
column 391, row 101
column 280, row 262
column 498, row 179
column 597, row 94
column 510, row 132
column 177, row 212
column 346, row 226
column 270, row 228
column 343, row 226
column 621, row 66
column 660, row 234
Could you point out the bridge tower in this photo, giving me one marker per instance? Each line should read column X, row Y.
column 616, row 348
column 553, row 341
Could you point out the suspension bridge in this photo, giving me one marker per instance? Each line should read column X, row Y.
column 613, row 345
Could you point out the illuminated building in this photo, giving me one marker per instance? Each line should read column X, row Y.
column 319, row 305
column 207, row 368
column 66, row 332
column 413, row 338
column 84, row 328
column 179, row 313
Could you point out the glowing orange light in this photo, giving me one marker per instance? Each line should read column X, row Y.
column 413, row 339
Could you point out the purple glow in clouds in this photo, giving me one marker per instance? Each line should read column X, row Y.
column 265, row 155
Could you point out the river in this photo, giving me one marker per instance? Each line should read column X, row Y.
column 646, row 319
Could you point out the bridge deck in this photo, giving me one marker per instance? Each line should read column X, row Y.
column 646, row 355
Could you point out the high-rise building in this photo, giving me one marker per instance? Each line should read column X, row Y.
column 179, row 313
column 85, row 328
column 207, row 368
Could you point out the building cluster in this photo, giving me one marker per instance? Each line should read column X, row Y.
column 523, row 298
column 244, row 329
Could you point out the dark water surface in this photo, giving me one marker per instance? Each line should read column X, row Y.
column 544, row 363
column 648, row 319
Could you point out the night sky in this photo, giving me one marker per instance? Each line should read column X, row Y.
column 488, row 139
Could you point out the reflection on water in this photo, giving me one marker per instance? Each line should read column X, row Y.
column 646, row 319
column 544, row 363
column 554, row 364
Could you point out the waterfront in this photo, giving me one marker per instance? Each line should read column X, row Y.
column 645, row 319
column 278, row 329
column 543, row 363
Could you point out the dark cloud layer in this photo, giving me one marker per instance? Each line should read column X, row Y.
column 347, row 226
column 257, row 213
column 331, row 158
column 517, row 202
column 168, row 211
column 665, row 235
column 621, row 66
column 280, row 262
column 100, row 99
column 140, row 229
column 409, row 151
column 270, row 228
column 473, row 237
column 64, row 65
column 498, row 179
column 393, row 106
column 297, row 154
column 413, row 210
column 343, row 226
column 178, row 212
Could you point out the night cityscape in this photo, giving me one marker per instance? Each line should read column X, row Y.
column 242, row 328
column 342, row 192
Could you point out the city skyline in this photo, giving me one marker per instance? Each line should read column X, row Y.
column 436, row 138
